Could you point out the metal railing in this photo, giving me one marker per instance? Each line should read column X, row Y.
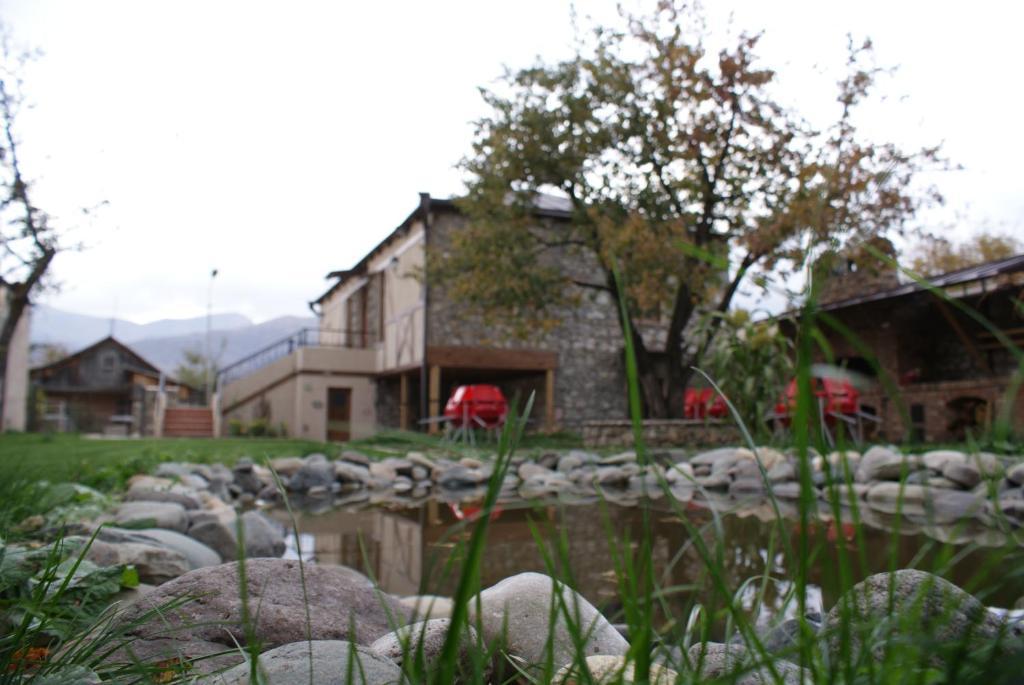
column 306, row 337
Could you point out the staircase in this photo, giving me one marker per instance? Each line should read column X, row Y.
column 188, row 422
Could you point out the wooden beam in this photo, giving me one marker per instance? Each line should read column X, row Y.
column 972, row 349
column 549, row 400
column 466, row 357
column 403, row 402
column 435, row 398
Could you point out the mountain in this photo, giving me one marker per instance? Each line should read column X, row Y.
column 162, row 343
column 51, row 326
column 226, row 346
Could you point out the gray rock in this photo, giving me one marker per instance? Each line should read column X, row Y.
column 347, row 472
column 680, row 472
column 332, row 663
column 159, row 514
column 528, row 469
column 391, row 468
column 965, row 474
column 892, row 498
column 361, row 459
column 568, row 462
column 516, row 612
column 457, row 477
column 201, row 657
column 420, row 473
column 216, row 535
column 880, row 463
column 1015, row 474
column 426, row 607
column 286, row 466
column 908, row 602
column 604, row 669
column 782, row 637
column 746, row 487
column 263, row 537
column 154, row 563
column 950, row 506
column 612, row 476
column 619, row 459
column 419, row 459
column 716, row 481
column 788, row 490
column 714, row 660
column 782, row 471
column 339, row 599
column 424, row 640
column 936, row 460
column 312, row 474
column 152, row 495
column 712, row 457
column 196, row 553
column 245, row 477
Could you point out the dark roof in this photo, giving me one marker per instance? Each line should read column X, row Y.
column 970, row 275
column 144, row 367
column 551, row 206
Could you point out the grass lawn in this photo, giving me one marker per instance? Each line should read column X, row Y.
column 106, row 464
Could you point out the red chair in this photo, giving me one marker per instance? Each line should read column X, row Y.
column 476, row 406
column 704, row 403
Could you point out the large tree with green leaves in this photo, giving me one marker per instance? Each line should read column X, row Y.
column 685, row 174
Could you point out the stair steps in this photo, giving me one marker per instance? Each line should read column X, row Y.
column 188, row 422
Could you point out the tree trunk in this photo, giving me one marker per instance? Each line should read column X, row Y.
column 17, row 299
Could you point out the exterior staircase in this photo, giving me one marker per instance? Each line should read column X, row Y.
column 188, row 422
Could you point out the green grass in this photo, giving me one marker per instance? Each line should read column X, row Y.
column 107, row 464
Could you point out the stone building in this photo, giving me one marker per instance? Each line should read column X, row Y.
column 390, row 348
column 944, row 355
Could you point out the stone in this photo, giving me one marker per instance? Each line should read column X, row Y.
column 681, row 472
column 263, row 537
column 471, row 463
column 245, row 476
column 342, row 605
column 201, row 657
column 154, row 563
column 717, row 481
column 313, row 473
column 885, row 466
column 286, row 466
column 391, row 468
column 768, row 456
column 425, row 640
column 628, row 457
column 419, row 459
column 196, row 553
column 334, row 662
column 348, row 472
column 157, row 514
column 420, row 473
column 713, row 660
column 746, row 487
column 457, row 477
column 614, row 476
column 712, row 457
column 964, row 474
column 402, row 484
column 147, row 482
column 516, row 612
column 528, row 469
column 782, row 637
column 568, row 462
column 892, row 498
column 152, row 495
column 936, row 460
column 781, row 472
column 426, row 607
column 354, row 457
column 216, row 535
column 910, row 602
column 606, row 669
column 790, row 490
column 1015, row 474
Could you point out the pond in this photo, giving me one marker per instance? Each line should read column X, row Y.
column 418, row 549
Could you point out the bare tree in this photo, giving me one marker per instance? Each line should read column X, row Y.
column 28, row 243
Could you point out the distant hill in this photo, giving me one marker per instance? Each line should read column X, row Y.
column 75, row 331
column 162, row 343
column 226, row 346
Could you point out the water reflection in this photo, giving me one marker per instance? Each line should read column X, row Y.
column 417, row 550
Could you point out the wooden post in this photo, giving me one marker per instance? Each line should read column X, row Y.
column 435, row 398
column 403, row 402
column 549, row 400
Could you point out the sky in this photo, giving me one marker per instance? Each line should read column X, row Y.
column 279, row 141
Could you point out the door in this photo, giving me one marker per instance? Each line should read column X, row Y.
column 339, row 414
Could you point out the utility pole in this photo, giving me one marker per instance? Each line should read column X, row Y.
column 207, row 362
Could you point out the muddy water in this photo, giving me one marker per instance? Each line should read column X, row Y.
column 418, row 550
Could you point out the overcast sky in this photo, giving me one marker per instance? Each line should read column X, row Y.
column 277, row 141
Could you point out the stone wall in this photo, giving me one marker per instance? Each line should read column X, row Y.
column 590, row 378
column 661, row 433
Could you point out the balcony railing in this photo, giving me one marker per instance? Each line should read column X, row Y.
column 306, row 337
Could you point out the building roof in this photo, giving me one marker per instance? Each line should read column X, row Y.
column 143, row 366
column 551, row 206
column 971, row 280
